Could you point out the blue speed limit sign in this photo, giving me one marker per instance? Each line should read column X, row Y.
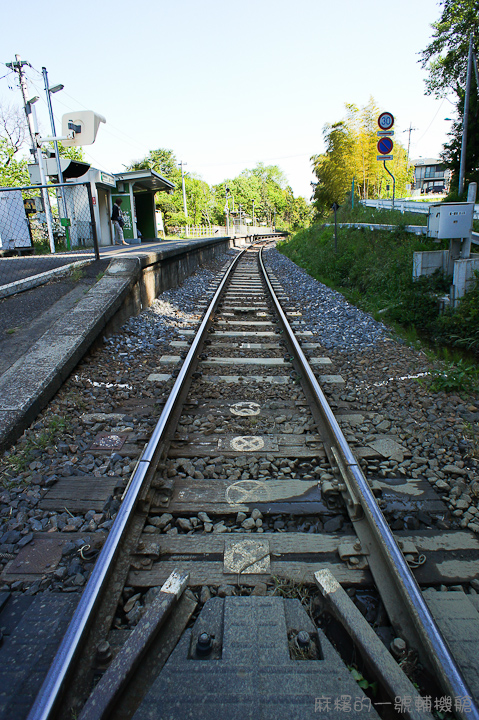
column 386, row 121
column 385, row 146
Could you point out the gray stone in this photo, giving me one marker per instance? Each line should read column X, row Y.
column 205, row 594
column 184, row 524
column 225, row 591
column 219, row 527
column 334, row 524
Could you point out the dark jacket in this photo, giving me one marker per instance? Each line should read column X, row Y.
column 116, row 212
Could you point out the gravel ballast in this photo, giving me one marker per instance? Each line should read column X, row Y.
column 381, row 380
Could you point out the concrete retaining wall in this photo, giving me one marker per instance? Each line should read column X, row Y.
column 128, row 285
column 159, row 271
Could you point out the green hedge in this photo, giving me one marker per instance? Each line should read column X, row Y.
column 373, row 269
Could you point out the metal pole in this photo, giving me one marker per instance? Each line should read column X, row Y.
column 352, row 195
column 55, row 143
column 462, row 166
column 52, row 123
column 36, row 151
column 394, row 181
column 335, row 208
column 474, row 59
column 93, row 223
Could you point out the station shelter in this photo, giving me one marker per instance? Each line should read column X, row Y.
column 136, row 188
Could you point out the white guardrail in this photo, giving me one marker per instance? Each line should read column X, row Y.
column 421, row 208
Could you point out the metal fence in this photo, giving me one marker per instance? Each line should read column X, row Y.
column 198, row 231
column 44, row 228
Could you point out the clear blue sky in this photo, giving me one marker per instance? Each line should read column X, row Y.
column 227, row 84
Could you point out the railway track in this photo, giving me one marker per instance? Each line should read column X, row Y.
column 249, row 493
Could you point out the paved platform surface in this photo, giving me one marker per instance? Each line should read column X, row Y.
column 19, row 273
column 47, row 322
column 32, row 630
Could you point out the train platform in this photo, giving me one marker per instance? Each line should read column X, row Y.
column 54, row 309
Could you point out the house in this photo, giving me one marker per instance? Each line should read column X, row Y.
column 430, row 176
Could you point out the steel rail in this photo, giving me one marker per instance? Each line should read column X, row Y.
column 51, row 691
column 448, row 672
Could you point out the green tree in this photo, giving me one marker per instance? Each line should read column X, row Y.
column 351, row 152
column 13, row 172
column 335, row 168
column 163, row 162
column 13, row 130
column 445, row 59
column 266, row 186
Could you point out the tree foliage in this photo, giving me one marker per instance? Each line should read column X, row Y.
column 13, row 172
column 445, row 58
column 446, row 55
column 12, row 136
column 451, row 154
column 351, row 152
column 266, row 185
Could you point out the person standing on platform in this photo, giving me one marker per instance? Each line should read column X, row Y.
column 118, row 222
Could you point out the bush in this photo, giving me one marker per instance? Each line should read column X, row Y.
column 373, row 269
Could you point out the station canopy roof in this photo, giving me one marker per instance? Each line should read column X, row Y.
column 146, row 180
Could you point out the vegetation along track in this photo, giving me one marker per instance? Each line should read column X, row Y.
column 275, row 500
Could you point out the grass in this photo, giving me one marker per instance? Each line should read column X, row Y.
column 77, row 273
column 363, row 214
column 455, row 377
column 99, row 276
column 18, row 459
column 373, row 270
column 11, row 331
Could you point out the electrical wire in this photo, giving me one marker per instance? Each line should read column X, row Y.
column 108, row 129
column 427, row 129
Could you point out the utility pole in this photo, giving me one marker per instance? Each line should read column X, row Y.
column 34, row 137
column 409, row 130
column 22, row 82
column 227, row 211
column 462, row 166
column 185, row 209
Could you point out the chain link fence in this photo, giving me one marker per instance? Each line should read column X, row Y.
column 43, row 228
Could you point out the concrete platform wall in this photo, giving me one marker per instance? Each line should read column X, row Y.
column 128, row 285
column 161, row 271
